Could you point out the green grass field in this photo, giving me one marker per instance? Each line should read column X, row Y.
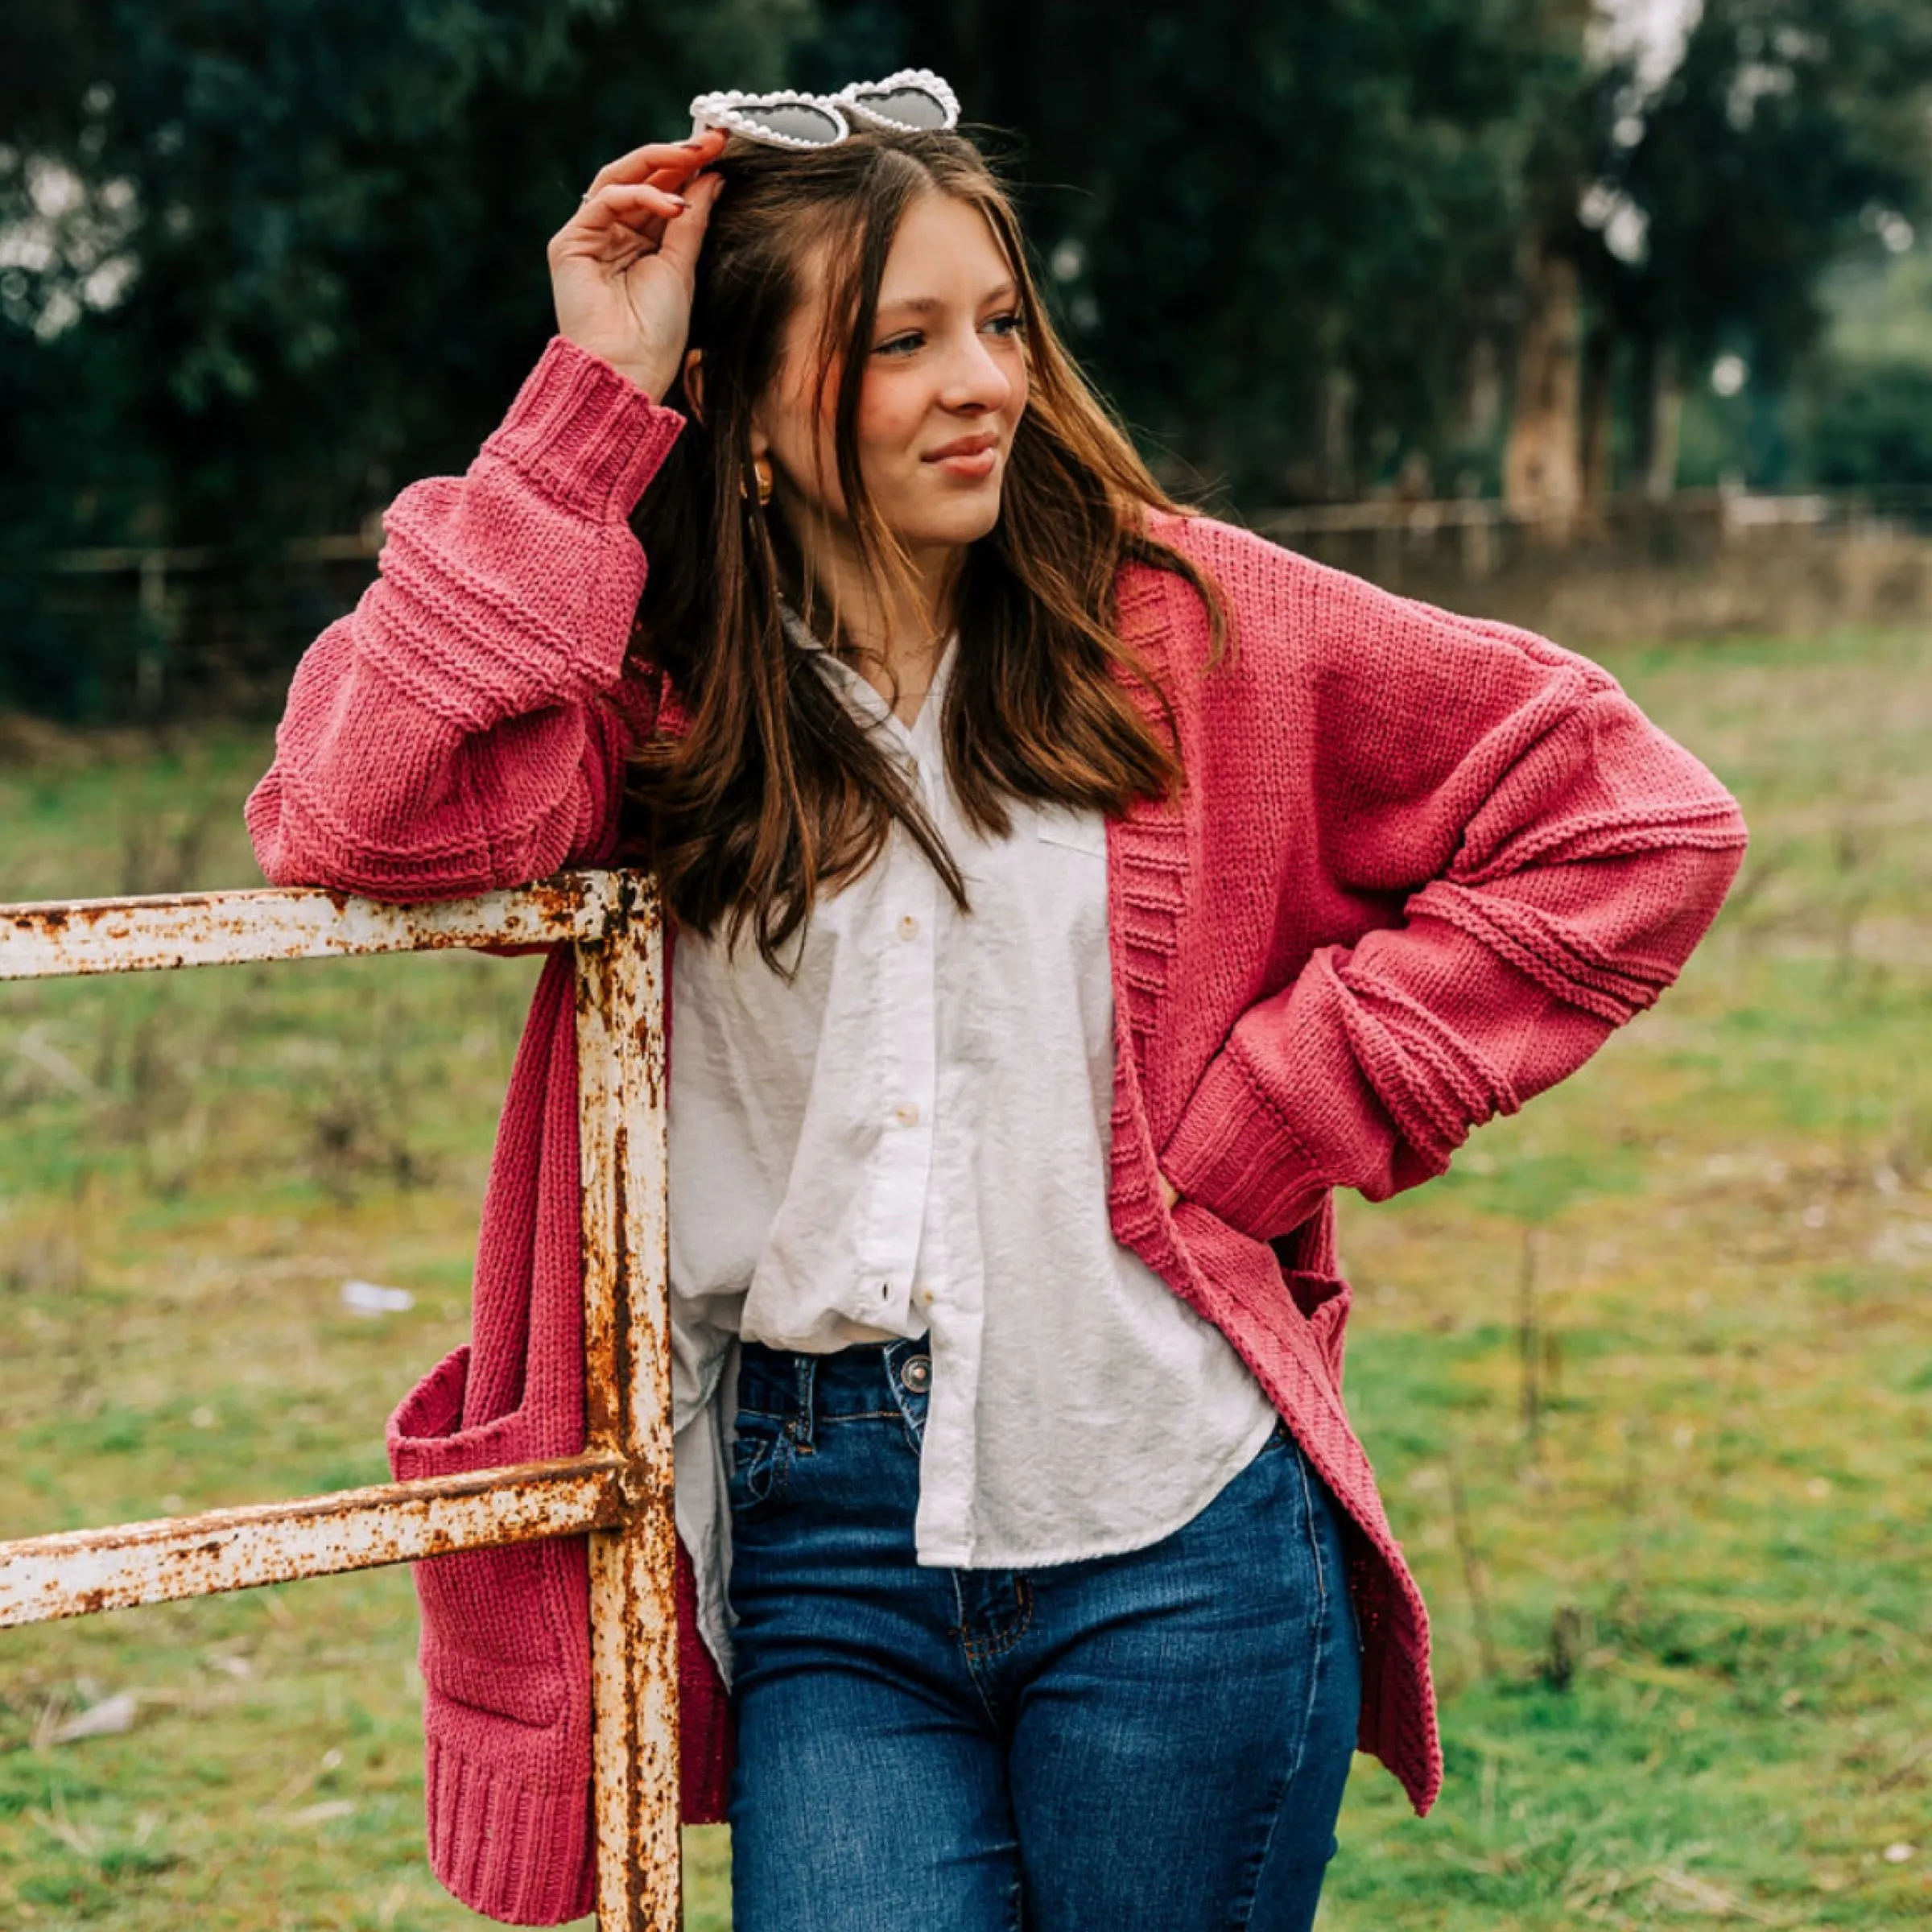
column 1645, row 1377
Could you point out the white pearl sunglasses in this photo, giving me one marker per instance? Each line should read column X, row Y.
column 915, row 99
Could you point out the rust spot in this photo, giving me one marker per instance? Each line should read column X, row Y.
column 187, row 1554
column 258, row 1543
column 565, row 895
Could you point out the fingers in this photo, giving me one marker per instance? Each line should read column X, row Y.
column 623, row 213
column 629, row 210
column 677, row 159
column 623, row 200
column 684, row 237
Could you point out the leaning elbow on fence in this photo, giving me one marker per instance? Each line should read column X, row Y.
column 297, row 845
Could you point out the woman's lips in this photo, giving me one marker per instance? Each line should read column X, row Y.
column 978, row 464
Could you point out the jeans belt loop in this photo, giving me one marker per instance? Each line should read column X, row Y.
column 808, row 1366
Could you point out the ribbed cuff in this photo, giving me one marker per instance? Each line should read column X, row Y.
column 525, row 1857
column 590, row 435
column 1232, row 1154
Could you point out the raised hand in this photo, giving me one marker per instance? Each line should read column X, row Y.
column 622, row 269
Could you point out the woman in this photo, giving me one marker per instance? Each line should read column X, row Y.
column 1070, row 891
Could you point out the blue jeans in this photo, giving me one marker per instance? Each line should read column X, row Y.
column 1150, row 1742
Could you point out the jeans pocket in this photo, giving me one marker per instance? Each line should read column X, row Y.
column 760, row 1464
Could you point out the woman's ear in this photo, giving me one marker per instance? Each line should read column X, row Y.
column 694, row 382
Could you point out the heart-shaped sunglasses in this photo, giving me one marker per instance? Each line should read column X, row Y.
column 915, row 99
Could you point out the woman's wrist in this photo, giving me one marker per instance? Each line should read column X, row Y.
column 580, row 425
column 654, row 382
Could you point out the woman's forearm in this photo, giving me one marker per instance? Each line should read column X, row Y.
column 462, row 728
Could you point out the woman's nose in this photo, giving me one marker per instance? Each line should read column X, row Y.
column 976, row 376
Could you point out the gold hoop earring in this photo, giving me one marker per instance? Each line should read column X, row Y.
column 761, row 469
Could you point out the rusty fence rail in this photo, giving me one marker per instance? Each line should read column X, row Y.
column 620, row 1489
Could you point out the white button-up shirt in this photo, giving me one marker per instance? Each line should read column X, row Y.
column 911, row 1139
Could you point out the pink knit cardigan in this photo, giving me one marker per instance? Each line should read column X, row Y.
column 1421, row 867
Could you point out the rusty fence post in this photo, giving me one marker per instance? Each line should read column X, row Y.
column 620, row 1489
column 621, row 1076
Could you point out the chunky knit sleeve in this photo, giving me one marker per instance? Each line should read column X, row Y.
column 1546, row 857
column 463, row 728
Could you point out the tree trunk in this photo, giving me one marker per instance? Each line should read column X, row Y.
column 1482, row 391
column 1542, row 470
column 1600, row 357
column 1661, row 404
column 1337, row 435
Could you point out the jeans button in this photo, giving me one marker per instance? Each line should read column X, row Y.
column 917, row 1374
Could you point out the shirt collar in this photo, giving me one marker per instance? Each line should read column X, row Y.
column 794, row 627
column 858, row 688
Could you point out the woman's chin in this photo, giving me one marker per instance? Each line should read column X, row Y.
column 964, row 522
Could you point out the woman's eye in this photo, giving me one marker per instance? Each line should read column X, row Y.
column 1012, row 324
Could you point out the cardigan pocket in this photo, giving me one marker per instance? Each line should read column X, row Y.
column 474, row 1653
column 1253, row 1272
column 1324, row 1300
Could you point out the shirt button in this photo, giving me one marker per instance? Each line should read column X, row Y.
column 909, row 927
column 917, row 1374
column 906, row 1114
column 925, row 1295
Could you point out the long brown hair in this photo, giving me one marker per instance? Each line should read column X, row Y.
column 778, row 792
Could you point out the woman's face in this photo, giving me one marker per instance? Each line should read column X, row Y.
column 945, row 364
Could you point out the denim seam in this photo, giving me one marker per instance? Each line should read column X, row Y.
column 1314, row 1538
column 783, row 1416
column 972, row 1662
column 1317, row 1669
column 995, row 1646
column 1244, row 1909
column 1245, row 1917
column 775, row 1454
column 912, row 1418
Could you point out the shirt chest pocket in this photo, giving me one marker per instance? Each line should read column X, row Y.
column 1066, row 892
column 1082, row 831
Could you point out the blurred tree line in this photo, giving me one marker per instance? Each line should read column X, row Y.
column 262, row 262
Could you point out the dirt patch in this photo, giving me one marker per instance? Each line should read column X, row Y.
column 36, row 745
